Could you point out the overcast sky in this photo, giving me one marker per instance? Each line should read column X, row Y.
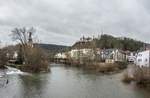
column 65, row 21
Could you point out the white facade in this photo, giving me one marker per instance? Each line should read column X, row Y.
column 143, row 59
column 82, row 53
column 118, row 55
column 74, row 53
column 114, row 54
column 61, row 55
column 15, row 55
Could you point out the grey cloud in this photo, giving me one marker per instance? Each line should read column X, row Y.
column 65, row 21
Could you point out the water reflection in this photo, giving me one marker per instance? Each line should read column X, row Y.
column 32, row 85
column 70, row 82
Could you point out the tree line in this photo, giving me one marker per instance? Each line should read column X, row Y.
column 107, row 41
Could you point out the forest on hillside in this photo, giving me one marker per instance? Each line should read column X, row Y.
column 107, row 41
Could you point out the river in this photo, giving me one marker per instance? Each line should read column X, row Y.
column 67, row 82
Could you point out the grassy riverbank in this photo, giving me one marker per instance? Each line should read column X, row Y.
column 140, row 76
column 102, row 67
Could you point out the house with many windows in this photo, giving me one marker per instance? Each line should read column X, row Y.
column 143, row 59
column 85, row 53
column 113, row 55
column 131, row 57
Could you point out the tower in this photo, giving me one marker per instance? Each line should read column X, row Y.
column 30, row 41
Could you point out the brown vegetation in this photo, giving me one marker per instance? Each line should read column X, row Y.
column 3, row 58
column 108, row 67
column 32, row 57
column 36, row 60
column 127, row 78
column 102, row 67
column 142, row 76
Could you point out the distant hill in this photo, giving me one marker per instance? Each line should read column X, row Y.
column 52, row 48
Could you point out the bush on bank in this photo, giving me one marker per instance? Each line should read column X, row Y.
column 102, row 67
column 141, row 76
column 35, row 60
column 3, row 58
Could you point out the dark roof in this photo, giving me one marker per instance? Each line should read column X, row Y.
column 111, row 50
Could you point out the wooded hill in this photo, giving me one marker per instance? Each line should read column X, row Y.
column 108, row 41
column 52, row 49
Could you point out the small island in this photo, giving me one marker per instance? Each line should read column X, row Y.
column 26, row 55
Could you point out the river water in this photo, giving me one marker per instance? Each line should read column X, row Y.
column 66, row 82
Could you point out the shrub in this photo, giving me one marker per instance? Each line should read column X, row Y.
column 122, row 65
column 127, row 78
column 36, row 60
column 3, row 58
column 142, row 76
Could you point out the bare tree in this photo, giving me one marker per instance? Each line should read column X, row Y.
column 34, row 58
column 24, row 36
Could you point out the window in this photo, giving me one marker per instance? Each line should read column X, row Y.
column 140, row 55
column 139, row 60
column 146, row 60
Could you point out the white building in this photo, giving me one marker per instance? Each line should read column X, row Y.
column 61, row 55
column 12, row 55
column 143, row 59
column 15, row 55
column 74, row 53
column 82, row 53
column 132, row 57
column 113, row 55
